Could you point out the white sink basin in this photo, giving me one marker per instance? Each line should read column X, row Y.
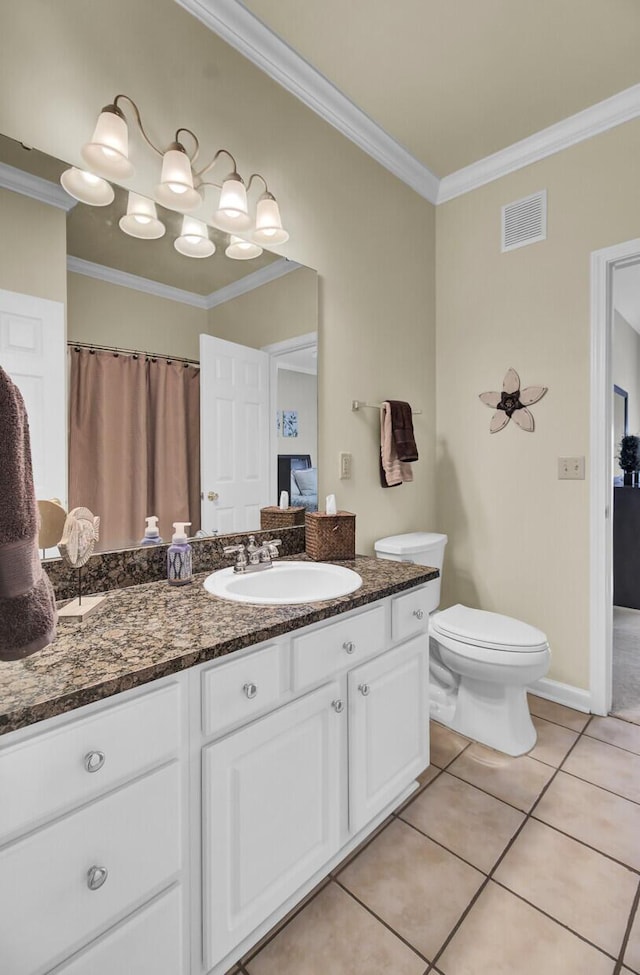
column 284, row 582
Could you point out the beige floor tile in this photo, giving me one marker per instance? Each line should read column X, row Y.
column 354, row 853
column 607, row 766
column 519, row 781
column 566, row 879
column 600, row 819
column 283, row 922
column 467, row 821
column 615, row 732
column 424, row 779
column 418, row 888
column 576, row 720
column 553, row 742
column 632, row 952
column 334, row 934
column 629, row 714
column 502, row 935
column 445, row 744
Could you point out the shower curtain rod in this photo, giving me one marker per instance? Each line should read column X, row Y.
column 148, row 355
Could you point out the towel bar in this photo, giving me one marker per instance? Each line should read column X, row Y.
column 358, row 404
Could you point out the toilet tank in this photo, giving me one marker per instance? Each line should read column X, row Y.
column 423, row 548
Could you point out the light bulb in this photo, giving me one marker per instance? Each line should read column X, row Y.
column 242, row 250
column 108, row 152
column 232, row 213
column 175, row 189
column 141, row 219
column 87, row 187
column 194, row 240
column 269, row 228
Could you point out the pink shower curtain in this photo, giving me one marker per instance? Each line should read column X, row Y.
column 134, row 443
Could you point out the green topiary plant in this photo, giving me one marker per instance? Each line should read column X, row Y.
column 629, row 456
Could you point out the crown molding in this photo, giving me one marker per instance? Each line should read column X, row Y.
column 605, row 115
column 34, row 186
column 242, row 30
column 113, row 276
column 252, row 281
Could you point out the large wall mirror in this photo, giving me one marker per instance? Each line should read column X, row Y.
column 187, row 386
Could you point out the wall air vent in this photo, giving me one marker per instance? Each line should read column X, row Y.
column 524, row 221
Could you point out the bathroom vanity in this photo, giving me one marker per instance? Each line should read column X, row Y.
column 179, row 771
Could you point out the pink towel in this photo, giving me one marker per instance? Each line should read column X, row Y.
column 27, row 601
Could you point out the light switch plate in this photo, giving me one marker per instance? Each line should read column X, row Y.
column 571, row 468
column 345, row 466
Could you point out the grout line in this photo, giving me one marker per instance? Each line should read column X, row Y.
column 612, row 744
column 350, row 857
column 381, row 920
column 280, row 925
column 627, row 933
column 443, row 847
column 595, row 849
column 636, row 802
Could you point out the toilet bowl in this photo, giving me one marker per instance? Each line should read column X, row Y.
column 480, row 663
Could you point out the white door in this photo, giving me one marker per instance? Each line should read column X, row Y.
column 388, row 727
column 271, row 815
column 234, row 435
column 32, row 352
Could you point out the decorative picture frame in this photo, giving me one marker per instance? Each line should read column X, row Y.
column 289, row 423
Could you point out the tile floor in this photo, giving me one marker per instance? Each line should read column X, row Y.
column 497, row 866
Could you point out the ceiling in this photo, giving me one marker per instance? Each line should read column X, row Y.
column 457, row 80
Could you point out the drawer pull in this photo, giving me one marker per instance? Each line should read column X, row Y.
column 364, row 689
column 96, row 876
column 250, row 690
column 337, row 706
column 349, row 646
column 93, row 761
column 419, row 614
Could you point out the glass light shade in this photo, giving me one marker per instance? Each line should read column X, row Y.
column 232, row 213
column 108, row 152
column 242, row 250
column 87, row 187
column 194, row 239
column 175, row 189
column 268, row 223
column 141, row 219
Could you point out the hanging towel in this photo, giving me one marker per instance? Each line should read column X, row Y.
column 402, row 428
column 27, row 601
column 393, row 471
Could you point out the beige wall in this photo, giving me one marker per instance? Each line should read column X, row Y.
column 299, row 391
column 109, row 314
column 345, row 213
column 33, row 247
column 278, row 310
column 519, row 541
column 625, row 368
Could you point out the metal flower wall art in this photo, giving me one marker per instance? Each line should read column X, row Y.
column 513, row 402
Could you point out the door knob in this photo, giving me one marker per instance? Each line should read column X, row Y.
column 212, row 496
column 364, row 689
column 337, row 706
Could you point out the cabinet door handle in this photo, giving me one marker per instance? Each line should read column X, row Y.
column 364, row 689
column 419, row 614
column 93, row 761
column 96, row 876
column 250, row 690
column 349, row 646
column 337, row 706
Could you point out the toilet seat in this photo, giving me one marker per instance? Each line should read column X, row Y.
column 489, row 631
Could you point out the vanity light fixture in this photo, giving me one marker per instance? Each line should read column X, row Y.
column 87, row 187
column 242, row 250
column 181, row 187
column 194, row 240
column 141, row 219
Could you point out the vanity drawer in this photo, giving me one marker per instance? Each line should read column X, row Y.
column 331, row 648
column 51, row 773
column 47, row 908
column 149, row 943
column 235, row 691
column 409, row 614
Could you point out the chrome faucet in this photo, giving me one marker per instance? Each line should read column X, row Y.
column 254, row 557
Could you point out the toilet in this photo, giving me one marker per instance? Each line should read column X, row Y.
column 480, row 663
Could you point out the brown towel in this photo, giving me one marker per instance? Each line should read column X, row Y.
column 392, row 470
column 402, row 428
column 27, row 602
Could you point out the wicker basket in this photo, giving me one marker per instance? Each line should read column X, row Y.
column 329, row 537
column 274, row 517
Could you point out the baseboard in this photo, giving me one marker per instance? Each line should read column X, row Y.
column 559, row 693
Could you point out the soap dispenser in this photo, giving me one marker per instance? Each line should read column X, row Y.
column 179, row 556
column 151, row 533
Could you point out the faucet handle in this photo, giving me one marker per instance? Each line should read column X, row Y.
column 232, row 549
column 273, row 547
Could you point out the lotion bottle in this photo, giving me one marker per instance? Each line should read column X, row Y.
column 179, row 571
column 151, row 533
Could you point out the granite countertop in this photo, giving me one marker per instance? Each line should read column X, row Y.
column 149, row 631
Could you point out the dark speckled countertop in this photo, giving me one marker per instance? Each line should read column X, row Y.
column 149, row 631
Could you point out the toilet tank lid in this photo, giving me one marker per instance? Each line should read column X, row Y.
column 410, row 543
column 487, row 629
